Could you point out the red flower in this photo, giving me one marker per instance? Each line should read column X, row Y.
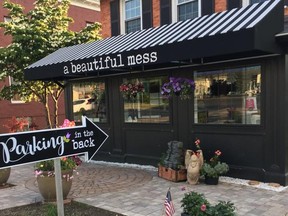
column 203, row 207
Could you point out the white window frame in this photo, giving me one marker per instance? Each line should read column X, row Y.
column 246, row 2
column 14, row 100
column 123, row 19
column 7, row 19
column 175, row 9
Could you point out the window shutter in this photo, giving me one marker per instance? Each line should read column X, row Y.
column 233, row 4
column 115, row 17
column 147, row 13
column 207, row 7
column 165, row 12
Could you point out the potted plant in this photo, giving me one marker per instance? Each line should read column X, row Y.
column 171, row 166
column 15, row 125
column 214, row 168
column 194, row 203
column 179, row 86
column 222, row 208
column 130, row 90
column 45, row 176
column 45, row 172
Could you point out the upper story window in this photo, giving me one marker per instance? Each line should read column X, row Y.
column 16, row 97
column 247, row 2
column 7, row 19
column 185, row 9
column 132, row 15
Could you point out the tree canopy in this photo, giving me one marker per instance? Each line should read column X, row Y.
column 36, row 34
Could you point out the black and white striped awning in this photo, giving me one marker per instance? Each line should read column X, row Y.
column 248, row 30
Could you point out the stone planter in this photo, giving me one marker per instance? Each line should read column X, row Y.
column 4, row 175
column 211, row 181
column 47, row 187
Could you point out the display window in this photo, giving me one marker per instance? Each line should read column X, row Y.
column 143, row 102
column 229, row 96
column 89, row 99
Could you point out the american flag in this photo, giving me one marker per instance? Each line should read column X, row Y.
column 169, row 207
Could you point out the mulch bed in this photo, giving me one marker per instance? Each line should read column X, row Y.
column 50, row 209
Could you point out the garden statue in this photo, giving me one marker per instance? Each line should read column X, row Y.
column 193, row 170
column 188, row 157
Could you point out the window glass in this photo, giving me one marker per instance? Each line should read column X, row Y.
column 89, row 99
column 132, row 15
column 148, row 105
column 247, row 2
column 187, row 9
column 16, row 97
column 7, row 19
column 230, row 96
column 256, row 1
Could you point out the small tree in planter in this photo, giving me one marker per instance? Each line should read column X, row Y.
column 171, row 166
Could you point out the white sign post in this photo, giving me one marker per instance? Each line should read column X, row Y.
column 58, row 183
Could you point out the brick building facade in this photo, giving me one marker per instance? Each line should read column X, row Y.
column 235, row 51
column 82, row 14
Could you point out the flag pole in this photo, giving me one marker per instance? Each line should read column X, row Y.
column 168, row 204
column 163, row 207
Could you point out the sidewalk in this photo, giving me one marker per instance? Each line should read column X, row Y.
column 139, row 192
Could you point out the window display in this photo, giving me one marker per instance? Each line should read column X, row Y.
column 145, row 105
column 229, row 96
column 89, row 100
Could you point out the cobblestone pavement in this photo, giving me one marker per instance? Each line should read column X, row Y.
column 139, row 192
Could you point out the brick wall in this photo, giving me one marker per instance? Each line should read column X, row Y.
column 81, row 16
column 220, row 5
column 34, row 109
column 156, row 13
column 105, row 18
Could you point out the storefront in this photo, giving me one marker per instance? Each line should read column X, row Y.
column 238, row 105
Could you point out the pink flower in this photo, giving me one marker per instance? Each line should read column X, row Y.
column 183, row 188
column 197, row 142
column 218, row 152
column 203, row 207
column 37, row 173
column 67, row 123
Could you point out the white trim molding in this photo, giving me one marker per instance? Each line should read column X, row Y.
column 88, row 4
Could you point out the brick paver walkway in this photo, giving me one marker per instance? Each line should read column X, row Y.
column 138, row 192
column 94, row 179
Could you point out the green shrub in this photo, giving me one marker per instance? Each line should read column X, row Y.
column 193, row 204
column 222, row 209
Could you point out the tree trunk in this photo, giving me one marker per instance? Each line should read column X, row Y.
column 56, row 108
column 48, row 117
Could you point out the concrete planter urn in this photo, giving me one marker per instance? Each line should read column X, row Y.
column 4, row 175
column 47, row 187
